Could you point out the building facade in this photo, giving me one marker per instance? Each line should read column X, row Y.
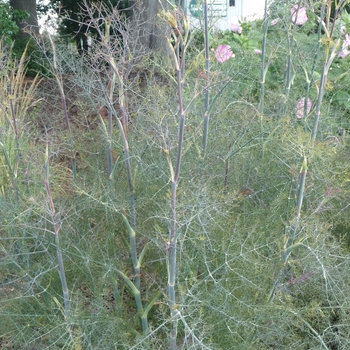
column 222, row 12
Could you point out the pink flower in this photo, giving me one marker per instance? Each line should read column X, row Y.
column 223, row 53
column 299, row 109
column 298, row 16
column 344, row 52
column 236, row 27
column 274, row 22
column 258, row 52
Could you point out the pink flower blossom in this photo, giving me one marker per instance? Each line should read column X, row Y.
column 344, row 52
column 299, row 109
column 299, row 17
column 236, row 27
column 223, row 53
column 258, row 52
column 274, row 22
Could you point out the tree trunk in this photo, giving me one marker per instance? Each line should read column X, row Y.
column 153, row 33
column 29, row 23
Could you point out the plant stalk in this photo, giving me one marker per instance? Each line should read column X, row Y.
column 329, row 56
column 263, row 56
column 175, row 174
column 59, row 81
column 292, row 231
column 290, row 41
column 56, row 227
column 206, row 89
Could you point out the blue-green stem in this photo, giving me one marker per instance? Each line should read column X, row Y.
column 290, row 41
column 143, row 312
column 328, row 59
column 206, row 89
column 137, row 295
column 56, row 227
column 130, row 223
column 310, row 77
column 263, row 55
column 301, row 187
column 123, row 131
column 116, row 76
column 133, row 250
column 111, row 87
column 175, row 174
column 172, row 231
column 293, row 230
column 321, row 91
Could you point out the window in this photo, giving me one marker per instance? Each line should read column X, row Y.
column 232, row 3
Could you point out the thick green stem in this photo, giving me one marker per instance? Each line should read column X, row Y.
column 302, row 178
column 319, row 103
column 172, row 233
column 263, row 55
column 173, row 205
column 326, row 65
column 56, row 227
column 309, row 78
column 123, row 132
column 206, row 90
column 292, row 231
column 137, row 296
column 288, row 76
column 328, row 59
column 116, row 77
column 110, row 88
column 133, row 251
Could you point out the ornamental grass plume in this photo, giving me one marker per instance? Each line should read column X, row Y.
column 223, row 53
column 299, row 16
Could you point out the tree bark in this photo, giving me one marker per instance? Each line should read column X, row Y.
column 152, row 33
column 32, row 21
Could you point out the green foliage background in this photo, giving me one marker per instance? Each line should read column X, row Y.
column 235, row 206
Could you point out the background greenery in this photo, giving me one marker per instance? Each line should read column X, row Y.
column 235, row 207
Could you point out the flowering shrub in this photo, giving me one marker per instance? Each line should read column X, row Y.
column 236, row 27
column 223, row 53
column 245, row 36
column 299, row 16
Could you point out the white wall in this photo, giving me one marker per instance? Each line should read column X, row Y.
column 253, row 8
column 243, row 9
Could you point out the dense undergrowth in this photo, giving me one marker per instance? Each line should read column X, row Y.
column 262, row 259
